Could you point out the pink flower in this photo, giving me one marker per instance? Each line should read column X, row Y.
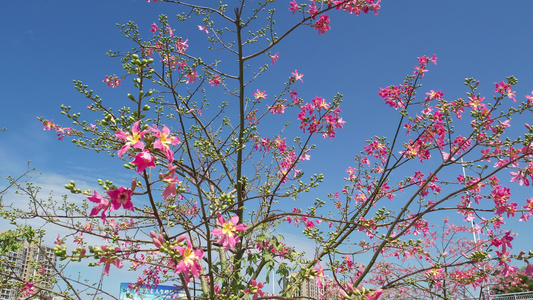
column 215, row 80
column 144, row 160
column 504, row 89
column 260, row 95
column 170, row 31
column 103, row 204
column 277, row 108
column 275, row 58
column 322, row 25
column 112, row 81
column 294, row 7
column 154, row 28
column 27, row 289
column 529, row 269
column 191, row 77
column 375, row 295
column 433, row 59
column 189, row 262
column 297, row 76
column 131, row 140
column 434, row 95
column 165, row 140
column 319, row 273
column 255, row 289
column 228, row 232
column 529, row 99
column 108, row 260
column 121, row 197
column 181, row 46
column 203, row 28
column 170, row 190
column 313, row 11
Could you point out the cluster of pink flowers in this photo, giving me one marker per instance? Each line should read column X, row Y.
column 144, row 158
column 318, row 117
column 322, row 25
column 351, row 6
column 112, row 81
column 180, row 46
column 275, row 247
column 505, row 89
column 288, row 157
column 302, row 219
column 394, row 95
column 61, row 132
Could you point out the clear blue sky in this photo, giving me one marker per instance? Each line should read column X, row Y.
column 47, row 44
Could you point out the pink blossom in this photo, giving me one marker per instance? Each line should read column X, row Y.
column 313, row 11
column 319, row 273
column 260, row 95
column 529, row 269
column 297, row 76
column 170, row 31
column 215, row 80
column 27, row 289
column 154, row 28
column 49, row 125
column 255, row 289
column 294, row 7
column 374, row 295
column 322, row 25
column 191, row 77
column 121, row 197
column 165, row 140
column 190, row 260
column 228, row 232
column 144, row 160
column 203, row 28
column 170, row 190
column 108, row 260
column 131, row 140
column 504, row 89
column 529, row 99
column 112, row 81
column 432, row 95
column 103, row 204
column 181, row 45
column 277, row 108
column 275, row 58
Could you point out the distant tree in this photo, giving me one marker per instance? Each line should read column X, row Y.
column 521, row 283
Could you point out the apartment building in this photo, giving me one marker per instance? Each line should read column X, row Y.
column 24, row 265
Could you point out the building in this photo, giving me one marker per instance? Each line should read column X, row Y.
column 308, row 288
column 24, row 265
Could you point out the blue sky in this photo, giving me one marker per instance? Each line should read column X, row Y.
column 47, row 44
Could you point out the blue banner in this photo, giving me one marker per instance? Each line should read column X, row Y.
column 161, row 292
